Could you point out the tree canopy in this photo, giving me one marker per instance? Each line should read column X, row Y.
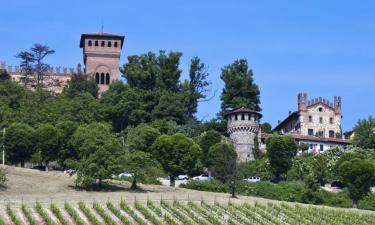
column 239, row 87
column 364, row 133
column 177, row 154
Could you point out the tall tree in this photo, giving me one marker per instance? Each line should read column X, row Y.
column 99, row 153
column 222, row 160
column 266, row 128
column 206, row 140
column 198, row 84
column 33, row 61
column 141, row 138
column 280, row 151
column 48, row 142
column 239, row 87
column 177, row 154
column 19, row 142
column 364, row 133
column 358, row 175
column 4, row 75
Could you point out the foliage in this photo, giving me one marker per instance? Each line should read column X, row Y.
column 48, row 142
column 300, row 169
column 266, row 128
column 260, row 168
column 20, row 141
column 207, row 140
column 141, row 137
column 358, row 175
column 33, row 61
column 177, row 154
column 80, row 83
column 4, row 75
column 211, row 185
column 239, row 88
column 98, row 153
column 364, row 133
column 222, row 160
column 280, row 151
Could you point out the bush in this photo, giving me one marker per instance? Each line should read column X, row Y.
column 212, row 186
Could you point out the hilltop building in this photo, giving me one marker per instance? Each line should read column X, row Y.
column 101, row 56
column 317, row 122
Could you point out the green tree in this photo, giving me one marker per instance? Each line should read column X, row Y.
column 66, row 151
column 280, row 151
column 98, row 151
column 140, row 164
column 20, row 141
column 358, row 175
column 48, row 143
column 364, row 133
column 239, row 87
column 141, row 138
column 222, row 160
column 33, row 60
column 80, row 84
column 205, row 141
column 177, row 154
column 198, row 84
column 4, row 75
column 266, row 128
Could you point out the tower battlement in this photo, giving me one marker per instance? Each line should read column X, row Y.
column 53, row 71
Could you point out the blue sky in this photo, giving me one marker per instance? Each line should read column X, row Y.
column 324, row 48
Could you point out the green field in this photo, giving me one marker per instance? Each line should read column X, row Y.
column 182, row 212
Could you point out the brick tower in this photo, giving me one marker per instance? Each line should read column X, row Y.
column 101, row 55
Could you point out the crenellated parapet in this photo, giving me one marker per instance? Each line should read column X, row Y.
column 304, row 103
column 53, row 71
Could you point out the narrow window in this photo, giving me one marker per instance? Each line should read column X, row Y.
column 107, row 78
column 249, row 117
column 103, row 43
column 310, row 119
column 109, row 44
column 321, row 119
column 235, row 117
column 331, row 134
column 242, row 116
column 321, row 148
column 320, row 109
column 96, row 43
column 90, row 43
column 97, row 78
column 320, row 133
column 310, row 132
column 102, row 78
column 115, row 44
column 331, row 120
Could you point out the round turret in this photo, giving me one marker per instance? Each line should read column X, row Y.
column 244, row 131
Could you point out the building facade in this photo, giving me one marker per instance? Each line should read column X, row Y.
column 317, row 122
column 101, row 57
column 244, row 132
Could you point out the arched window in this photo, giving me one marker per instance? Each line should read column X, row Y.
column 96, row 43
column 107, row 78
column 109, row 44
column 115, row 44
column 103, row 43
column 102, row 78
column 97, row 78
column 90, row 43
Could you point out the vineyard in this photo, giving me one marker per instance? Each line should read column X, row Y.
column 179, row 212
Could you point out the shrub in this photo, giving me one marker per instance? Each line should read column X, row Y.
column 212, row 185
